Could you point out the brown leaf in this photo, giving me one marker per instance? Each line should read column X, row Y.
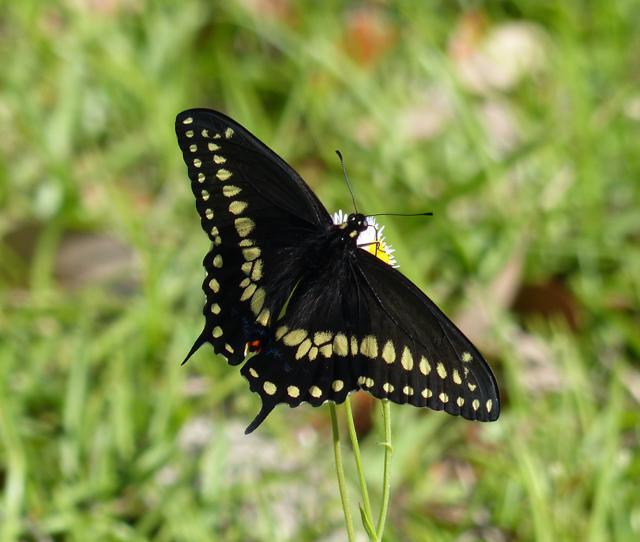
column 368, row 35
column 548, row 299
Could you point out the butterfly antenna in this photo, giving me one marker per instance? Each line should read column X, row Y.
column 346, row 178
column 428, row 213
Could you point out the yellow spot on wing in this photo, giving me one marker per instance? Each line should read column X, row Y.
column 407, row 359
column 443, row 397
column 369, row 382
column 214, row 285
column 389, row 352
column 217, row 261
column 466, row 357
column 489, row 405
column 263, row 317
column 213, row 147
column 313, row 353
column 256, row 273
column 244, row 226
column 257, row 301
column 197, row 162
column 250, row 254
column 230, row 190
column 456, row 377
column 216, row 332
column 280, row 332
column 294, row 337
column 369, row 347
column 248, row 292
column 426, row 393
column 228, row 133
column 321, row 337
column 442, row 372
column 475, row 404
column 340, row 345
column 327, row 350
column 215, row 308
column 407, row 390
column 223, row 174
column 303, row 348
column 253, row 372
column 337, row 385
column 219, row 159
column 237, row 207
column 315, row 391
column 187, row 120
column 460, row 401
column 387, row 387
column 269, row 387
column 354, row 346
column 425, row 367
column 293, row 391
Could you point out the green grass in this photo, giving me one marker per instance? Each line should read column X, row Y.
column 103, row 436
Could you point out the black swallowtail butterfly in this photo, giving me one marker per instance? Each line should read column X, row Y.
column 322, row 315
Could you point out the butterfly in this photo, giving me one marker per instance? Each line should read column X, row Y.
column 316, row 313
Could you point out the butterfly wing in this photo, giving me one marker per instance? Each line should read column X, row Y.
column 422, row 358
column 362, row 325
column 312, row 355
column 255, row 210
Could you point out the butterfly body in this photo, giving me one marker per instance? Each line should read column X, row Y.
column 321, row 314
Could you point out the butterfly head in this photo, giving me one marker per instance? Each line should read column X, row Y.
column 356, row 224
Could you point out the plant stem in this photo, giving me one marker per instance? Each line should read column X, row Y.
column 356, row 453
column 386, row 482
column 340, row 472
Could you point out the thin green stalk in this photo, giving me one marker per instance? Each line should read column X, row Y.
column 386, row 481
column 356, row 453
column 340, row 472
column 365, row 508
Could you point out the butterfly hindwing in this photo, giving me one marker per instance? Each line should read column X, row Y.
column 255, row 209
column 312, row 355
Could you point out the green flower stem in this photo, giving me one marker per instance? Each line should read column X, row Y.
column 366, row 504
column 386, row 482
column 340, row 472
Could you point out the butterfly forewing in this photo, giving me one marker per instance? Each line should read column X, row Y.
column 365, row 326
column 422, row 357
column 254, row 209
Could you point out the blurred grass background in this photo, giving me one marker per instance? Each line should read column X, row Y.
column 517, row 122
